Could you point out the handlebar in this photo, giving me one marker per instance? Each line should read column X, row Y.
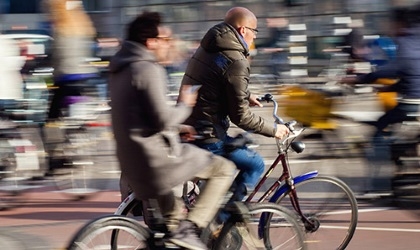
column 290, row 125
column 269, row 98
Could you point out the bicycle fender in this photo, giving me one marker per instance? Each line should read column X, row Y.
column 124, row 204
column 298, row 179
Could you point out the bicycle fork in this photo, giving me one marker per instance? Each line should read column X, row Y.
column 279, row 189
column 310, row 225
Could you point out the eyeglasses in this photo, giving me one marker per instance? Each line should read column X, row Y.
column 164, row 38
column 253, row 30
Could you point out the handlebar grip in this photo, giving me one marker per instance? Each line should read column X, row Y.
column 266, row 97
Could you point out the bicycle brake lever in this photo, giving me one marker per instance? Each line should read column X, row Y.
column 290, row 125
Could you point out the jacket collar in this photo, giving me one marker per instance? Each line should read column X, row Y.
column 223, row 37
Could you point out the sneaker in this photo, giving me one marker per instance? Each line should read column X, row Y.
column 187, row 236
column 216, row 228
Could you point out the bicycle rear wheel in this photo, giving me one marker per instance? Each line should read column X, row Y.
column 97, row 234
column 331, row 207
column 283, row 231
column 72, row 164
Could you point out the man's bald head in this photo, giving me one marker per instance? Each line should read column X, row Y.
column 240, row 16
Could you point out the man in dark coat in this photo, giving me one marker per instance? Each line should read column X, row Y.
column 221, row 67
column 151, row 157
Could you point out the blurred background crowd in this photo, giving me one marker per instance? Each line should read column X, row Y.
column 305, row 42
column 314, row 25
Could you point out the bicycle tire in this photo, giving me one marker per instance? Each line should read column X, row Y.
column 255, row 232
column 331, row 205
column 97, row 234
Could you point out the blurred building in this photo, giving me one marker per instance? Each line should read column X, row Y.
column 191, row 19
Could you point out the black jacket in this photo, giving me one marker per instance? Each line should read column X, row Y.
column 221, row 66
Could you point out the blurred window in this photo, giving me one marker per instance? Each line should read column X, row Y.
column 20, row 6
column 363, row 5
column 97, row 5
column 326, row 7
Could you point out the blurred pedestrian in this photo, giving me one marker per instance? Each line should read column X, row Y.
column 11, row 82
column 151, row 157
column 406, row 68
column 354, row 43
column 220, row 66
column 276, row 46
column 74, row 34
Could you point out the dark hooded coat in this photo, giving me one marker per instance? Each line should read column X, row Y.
column 151, row 157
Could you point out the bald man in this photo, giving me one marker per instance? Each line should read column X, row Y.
column 221, row 68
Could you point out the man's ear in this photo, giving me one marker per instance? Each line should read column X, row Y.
column 151, row 43
column 241, row 30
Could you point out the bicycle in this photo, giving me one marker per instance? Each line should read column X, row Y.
column 322, row 203
column 244, row 230
column 26, row 148
column 21, row 148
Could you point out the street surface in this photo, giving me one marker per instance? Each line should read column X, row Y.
column 48, row 219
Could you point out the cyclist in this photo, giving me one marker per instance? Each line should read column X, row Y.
column 151, row 157
column 220, row 65
column 406, row 68
column 73, row 34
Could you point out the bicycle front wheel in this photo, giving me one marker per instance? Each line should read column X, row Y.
column 253, row 232
column 330, row 206
column 98, row 234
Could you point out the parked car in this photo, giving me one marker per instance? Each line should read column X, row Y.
column 36, row 47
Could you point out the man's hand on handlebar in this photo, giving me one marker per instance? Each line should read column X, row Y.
column 281, row 131
column 187, row 133
column 253, row 101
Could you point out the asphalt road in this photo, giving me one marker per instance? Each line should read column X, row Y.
column 48, row 220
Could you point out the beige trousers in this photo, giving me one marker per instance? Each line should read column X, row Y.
column 219, row 176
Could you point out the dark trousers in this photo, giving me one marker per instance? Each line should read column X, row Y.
column 379, row 155
column 64, row 89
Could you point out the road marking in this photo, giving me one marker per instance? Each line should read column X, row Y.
column 368, row 210
column 112, row 172
column 374, row 229
column 388, row 229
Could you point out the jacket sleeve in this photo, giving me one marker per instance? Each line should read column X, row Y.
column 237, row 79
column 389, row 70
column 152, row 82
column 392, row 69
